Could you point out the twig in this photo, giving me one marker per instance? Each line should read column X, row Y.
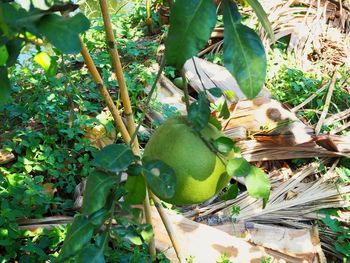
column 168, row 227
column 314, row 95
column 337, row 117
column 327, row 103
column 343, row 127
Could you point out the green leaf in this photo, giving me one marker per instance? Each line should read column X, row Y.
column 261, row 14
column 258, row 184
column 17, row 19
column 78, row 235
column 134, row 170
column 136, row 190
column 238, row 167
column 214, row 121
column 216, row 92
column 191, row 23
column 134, row 238
column 98, row 218
column 147, row 232
column 224, row 145
column 4, row 55
column 333, row 224
column 161, row 178
column 47, row 63
column 244, row 54
column 114, row 158
column 225, row 112
column 98, row 187
column 231, row 193
column 5, row 87
column 343, row 248
column 14, row 47
column 62, row 32
column 91, row 254
column 199, row 112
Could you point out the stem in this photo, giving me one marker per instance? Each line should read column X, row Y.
column 185, row 87
column 102, row 88
column 113, row 51
column 168, row 227
column 150, row 94
column 128, row 110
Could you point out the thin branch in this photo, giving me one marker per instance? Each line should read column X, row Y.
column 327, row 103
column 314, row 95
column 169, row 228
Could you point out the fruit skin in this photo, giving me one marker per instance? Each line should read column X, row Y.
column 200, row 174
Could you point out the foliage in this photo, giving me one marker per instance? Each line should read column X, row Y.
column 51, row 113
column 19, row 26
column 285, row 80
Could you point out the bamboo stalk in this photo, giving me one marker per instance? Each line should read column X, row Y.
column 102, row 88
column 120, row 125
column 131, row 127
column 113, row 50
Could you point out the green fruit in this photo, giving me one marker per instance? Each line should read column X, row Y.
column 200, row 174
column 178, row 82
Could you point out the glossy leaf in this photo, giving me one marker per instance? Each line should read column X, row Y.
column 231, row 193
column 4, row 55
column 114, row 158
column 161, row 178
column 62, row 32
column 225, row 112
column 135, row 187
column 238, row 167
column 262, row 16
column 199, row 112
column 216, row 92
column 214, row 121
column 14, row 19
column 147, row 232
column 98, row 187
column 14, row 47
column 258, row 184
column 98, row 218
column 5, row 87
column 191, row 23
column 134, row 170
column 133, row 237
column 224, row 145
column 244, row 54
column 78, row 235
column 91, row 254
column 47, row 63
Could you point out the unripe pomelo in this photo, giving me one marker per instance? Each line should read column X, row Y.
column 200, row 174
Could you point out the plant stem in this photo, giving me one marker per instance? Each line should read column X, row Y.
column 185, row 87
column 113, row 51
column 103, row 90
column 168, row 227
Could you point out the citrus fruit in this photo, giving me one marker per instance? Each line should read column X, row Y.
column 200, row 174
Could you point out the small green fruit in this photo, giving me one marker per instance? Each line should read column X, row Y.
column 200, row 174
column 178, row 82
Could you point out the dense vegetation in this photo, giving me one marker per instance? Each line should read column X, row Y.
column 45, row 121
